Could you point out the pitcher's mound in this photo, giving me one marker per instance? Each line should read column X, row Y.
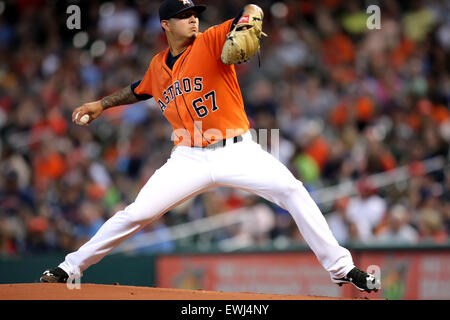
column 60, row 291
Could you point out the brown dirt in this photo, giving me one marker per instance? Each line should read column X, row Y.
column 59, row 291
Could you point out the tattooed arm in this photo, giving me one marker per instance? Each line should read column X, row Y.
column 95, row 109
column 121, row 97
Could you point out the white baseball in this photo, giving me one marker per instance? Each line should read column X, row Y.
column 84, row 119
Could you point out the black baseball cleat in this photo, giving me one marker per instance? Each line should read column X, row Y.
column 361, row 280
column 55, row 275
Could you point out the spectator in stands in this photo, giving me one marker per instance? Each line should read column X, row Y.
column 7, row 241
column 338, row 222
column 399, row 229
column 431, row 227
column 366, row 210
column 349, row 102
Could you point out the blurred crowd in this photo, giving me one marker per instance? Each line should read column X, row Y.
column 349, row 102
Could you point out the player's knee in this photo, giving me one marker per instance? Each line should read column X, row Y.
column 289, row 188
column 138, row 214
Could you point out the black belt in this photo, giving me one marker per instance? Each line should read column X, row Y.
column 224, row 142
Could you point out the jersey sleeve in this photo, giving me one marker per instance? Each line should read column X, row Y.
column 144, row 88
column 215, row 37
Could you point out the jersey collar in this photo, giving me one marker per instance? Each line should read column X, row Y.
column 177, row 63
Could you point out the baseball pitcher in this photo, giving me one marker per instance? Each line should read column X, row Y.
column 194, row 84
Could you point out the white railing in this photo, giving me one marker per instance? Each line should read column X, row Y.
column 185, row 230
column 378, row 180
column 321, row 196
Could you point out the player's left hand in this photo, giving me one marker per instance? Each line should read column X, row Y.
column 243, row 41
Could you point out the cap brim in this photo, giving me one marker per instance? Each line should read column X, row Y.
column 199, row 8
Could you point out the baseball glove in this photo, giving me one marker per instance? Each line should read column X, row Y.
column 243, row 41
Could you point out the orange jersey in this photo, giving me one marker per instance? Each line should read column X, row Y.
column 200, row 96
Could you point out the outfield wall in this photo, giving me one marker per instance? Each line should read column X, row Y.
column 405, row 273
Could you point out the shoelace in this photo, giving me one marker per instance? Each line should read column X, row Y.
column 358, row 276
column 259, row 58
column 57, row 273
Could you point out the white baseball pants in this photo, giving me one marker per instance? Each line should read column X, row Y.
column 190, row 171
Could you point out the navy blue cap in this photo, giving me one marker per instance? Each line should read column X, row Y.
column 170, row 8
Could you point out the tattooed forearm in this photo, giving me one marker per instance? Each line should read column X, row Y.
column 121, row 97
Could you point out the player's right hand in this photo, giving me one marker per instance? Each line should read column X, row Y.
column 92, row 109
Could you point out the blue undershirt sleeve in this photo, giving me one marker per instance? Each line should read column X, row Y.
column 140, row 97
